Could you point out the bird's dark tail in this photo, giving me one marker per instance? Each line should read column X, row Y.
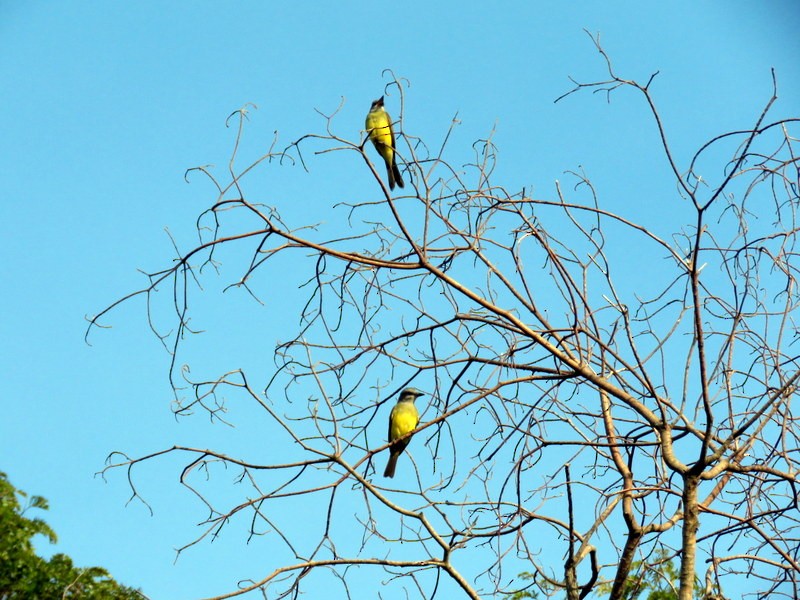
column 394, row 175
column 390, row 466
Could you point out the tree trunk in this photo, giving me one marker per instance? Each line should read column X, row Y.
column 689, row 545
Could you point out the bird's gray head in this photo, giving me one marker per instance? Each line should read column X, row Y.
column 377, row 103
column 410, row 394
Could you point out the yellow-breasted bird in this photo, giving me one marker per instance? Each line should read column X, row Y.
column 403, row 419
column 379, row 129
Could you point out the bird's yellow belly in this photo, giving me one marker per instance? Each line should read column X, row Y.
column 403, row 421
column 380, row 131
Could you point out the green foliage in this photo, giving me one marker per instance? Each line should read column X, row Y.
column 656, row 579
column 526, row 593
column 24, row 575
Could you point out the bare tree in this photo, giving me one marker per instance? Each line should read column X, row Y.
column 604, row 396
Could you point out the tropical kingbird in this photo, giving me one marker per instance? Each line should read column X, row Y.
column 379, row 129
column 403, row 419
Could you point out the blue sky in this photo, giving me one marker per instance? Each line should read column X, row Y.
column 105, row 105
